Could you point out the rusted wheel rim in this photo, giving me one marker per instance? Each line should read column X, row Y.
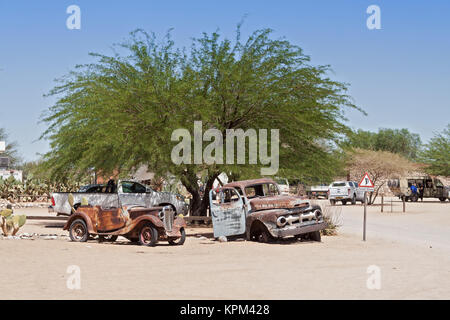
column 78, row 231
column 146, row 235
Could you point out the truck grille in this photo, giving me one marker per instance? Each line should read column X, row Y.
column 168, row 218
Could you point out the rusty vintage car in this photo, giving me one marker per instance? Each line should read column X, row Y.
column 146, row 226
column 256, row 209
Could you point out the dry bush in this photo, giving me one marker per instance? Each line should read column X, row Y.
column 333, row 217
column 381, row 166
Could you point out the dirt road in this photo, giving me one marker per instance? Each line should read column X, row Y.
column 411, row 251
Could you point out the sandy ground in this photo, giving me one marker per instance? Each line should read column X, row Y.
column 412, row 251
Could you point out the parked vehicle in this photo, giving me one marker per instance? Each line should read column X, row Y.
column 93, row 188
column 317, row 191
column 345, row 191
column 128, row 193
column 283, row 185
column 256, row 209
column 427, row 187
column 144, row 225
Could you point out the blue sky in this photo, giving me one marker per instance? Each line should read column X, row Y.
column 400, row 75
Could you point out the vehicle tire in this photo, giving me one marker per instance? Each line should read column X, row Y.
column 414, row 198
column 265, row 236
column 344, row 202
column 315, row 236
column 442, row 199
column 78, row 231
column 148, row 235
column 354, row 199
column 332, row 202
column 180, row 241
column 107, row 238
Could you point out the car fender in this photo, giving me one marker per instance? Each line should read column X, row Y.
column 80, row 215
column 179, row 222
column 150, row 218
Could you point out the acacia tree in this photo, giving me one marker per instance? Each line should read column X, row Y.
column 399, row 141
column 120, row 112
column 380, row 165
column 436, row 153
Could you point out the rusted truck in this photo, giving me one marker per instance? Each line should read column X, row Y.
column 138, row 224
column 257, row 210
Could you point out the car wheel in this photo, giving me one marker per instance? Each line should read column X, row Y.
column 264, row 236
column 315, row 236
column 78, row 231
column 442, row 199
column 148, row 235
column 332, row 202
column 344, row 202
column 354, row 199
column 180, row 241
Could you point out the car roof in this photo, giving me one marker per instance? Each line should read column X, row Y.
column 91, row 185
column 244, row 183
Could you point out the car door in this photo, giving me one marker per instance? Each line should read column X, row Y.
column 227, row 212
column 132, row 194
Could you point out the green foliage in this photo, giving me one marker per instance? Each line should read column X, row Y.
column 33, row 189
column 436, row 153
column 399, row 141
column 120, row 112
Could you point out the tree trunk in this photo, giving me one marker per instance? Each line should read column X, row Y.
column 199, row 202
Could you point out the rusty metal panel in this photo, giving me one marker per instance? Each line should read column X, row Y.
column 228, row 215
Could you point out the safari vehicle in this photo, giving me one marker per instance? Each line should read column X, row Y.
column 138, row 224
column 427, row 187
column 256, row 209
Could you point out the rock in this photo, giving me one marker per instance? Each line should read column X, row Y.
column 49, row 237
column 222, row 239
column 12, row 237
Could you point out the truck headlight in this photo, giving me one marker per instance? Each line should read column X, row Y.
column 281, row 221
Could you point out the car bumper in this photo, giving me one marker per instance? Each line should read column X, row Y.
column 297, row 229
column 339, row 198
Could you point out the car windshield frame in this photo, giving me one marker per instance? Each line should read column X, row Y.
column 339, row 184
column 261, row 187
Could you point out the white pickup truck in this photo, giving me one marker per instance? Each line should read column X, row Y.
column 126, row 194
column 345, row 191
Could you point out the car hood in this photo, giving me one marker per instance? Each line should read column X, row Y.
column 266, row 203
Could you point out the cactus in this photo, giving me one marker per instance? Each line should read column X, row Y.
column 10, row 223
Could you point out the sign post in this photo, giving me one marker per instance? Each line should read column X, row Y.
column 368, row 186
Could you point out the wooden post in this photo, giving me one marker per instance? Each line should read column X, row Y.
column 404, row 204
column 382, row 201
